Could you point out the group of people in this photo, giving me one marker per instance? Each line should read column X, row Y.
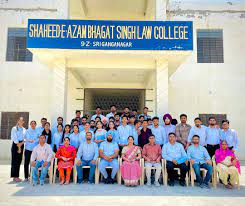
column 131, row 137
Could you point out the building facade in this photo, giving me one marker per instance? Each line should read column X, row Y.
column 51, row 83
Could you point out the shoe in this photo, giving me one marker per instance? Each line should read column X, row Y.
column 201, row 185
column 34, row 184
column 26, row 180
column 62, row 182
column 182, row 183
column 148, row 183
column 67, row 182
column 205, row 185
column 79, row 181
column 171, row 183
column 111, row 181
column 41, row 183
column 91, row 183
column 156, row 183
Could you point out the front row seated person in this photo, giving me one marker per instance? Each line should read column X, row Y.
column 87, row 155
column 66, row 155
column 108, row 152
column 152, row 156
column 199, row 158
column 176, row 157
column 41, row 157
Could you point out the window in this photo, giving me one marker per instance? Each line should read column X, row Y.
column 210, row 46
column 16, row 45
column 219, row 118
column 9, row 120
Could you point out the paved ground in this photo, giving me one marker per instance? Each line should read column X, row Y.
column 25, row 194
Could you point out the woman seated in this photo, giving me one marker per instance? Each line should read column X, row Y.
column 228, row 166
column 130, row 169
column 66, row 155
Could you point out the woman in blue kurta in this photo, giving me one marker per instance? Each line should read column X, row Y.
column 74, row 137
column 100, row 133
column 57, row 138
column 17, row 136
column 31, row 140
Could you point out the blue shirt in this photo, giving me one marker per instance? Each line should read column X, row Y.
column 40, row 130
column 115, row 135
column 82, row 136
column 31, row 134
column 81, row 128
column 231, row 137
column 110, row 115
column 57, row 139
column 198, row 154
column 124, row 132
column 74, row 140
column 168, row 129
column 135, row 136
column 213, row 136
column 100, row 135
column 160, row 134
column 95, row 115
column 201, row 132
column 18, row 134
column 146, row 117
column 88, row 151
column 109, row 148
column 173, row 152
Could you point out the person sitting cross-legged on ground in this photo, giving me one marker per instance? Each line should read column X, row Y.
column 152, row 155
column 41, row 157
column 87, row 155
column 66, row 155
column 199, row 158
column 228, row 166
column 176, row 157
column 108, row 152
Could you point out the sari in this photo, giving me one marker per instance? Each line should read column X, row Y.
column 131, row 171
column 68, row 152
column 224, row 158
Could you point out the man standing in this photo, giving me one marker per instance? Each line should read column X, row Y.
column 98, row 113
column 144, row 135
column 87, row 155
column 229, row 135
column 159, row 132
column 40, row 158
column 145, row 113
column 108, row 152
column 182, row 130
column 78, row 118
column 213, row 137
column 41, row 128
column 54, row 127
column 124, row 131
column 113, row 112
column 199, row 130
column 152, row 155
column 169, row 128
column 176, row 157
column 199, row 158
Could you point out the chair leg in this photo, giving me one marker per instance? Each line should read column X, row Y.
column 192, row 178
column 187, row 179
column 74, row 175
column 31, row 176
column 96, row 177
column 51, row 175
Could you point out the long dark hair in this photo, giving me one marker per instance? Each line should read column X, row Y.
column 49, row 133
column 96, row 128
column 67, row 125
column 108, row 127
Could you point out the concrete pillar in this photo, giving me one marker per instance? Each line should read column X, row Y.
column 161, row 6
column 161, row 88
column 59, row 91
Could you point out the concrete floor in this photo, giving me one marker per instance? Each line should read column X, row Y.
column 25, row 194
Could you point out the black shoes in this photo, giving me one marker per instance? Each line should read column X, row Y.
column 171, row 183
column 182, row 183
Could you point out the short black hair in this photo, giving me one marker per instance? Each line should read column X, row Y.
column 113, row 105
column 126, row 107
column 97, row 117
column 124, row 116
column 183, row 115
column 152, row 135
column 172, row 133
column 60, row 118
column 197, row 118
column 78, row 111
column 84, row 117
column 149, row 119
column 212, row 117
column 155, row 118
column 134, row 110
column 98, row 107
column 132, row 116
column 196, row 136
column 225, row 120
column 88, row 133
column 44, row 119
column 145, row 108
column 141, row 116
column 145, row 120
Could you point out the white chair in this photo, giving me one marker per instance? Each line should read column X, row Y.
column 75, row 172
column 178, row 169
column 152, row 168
column 50, row 172
column 118, row 172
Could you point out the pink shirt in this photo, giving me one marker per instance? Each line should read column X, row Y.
column 152, row 152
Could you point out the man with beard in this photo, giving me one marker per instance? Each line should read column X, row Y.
column 199, row 158
column 84, row 121
column 87, row 155
column 108, row 152
column 213, row 136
